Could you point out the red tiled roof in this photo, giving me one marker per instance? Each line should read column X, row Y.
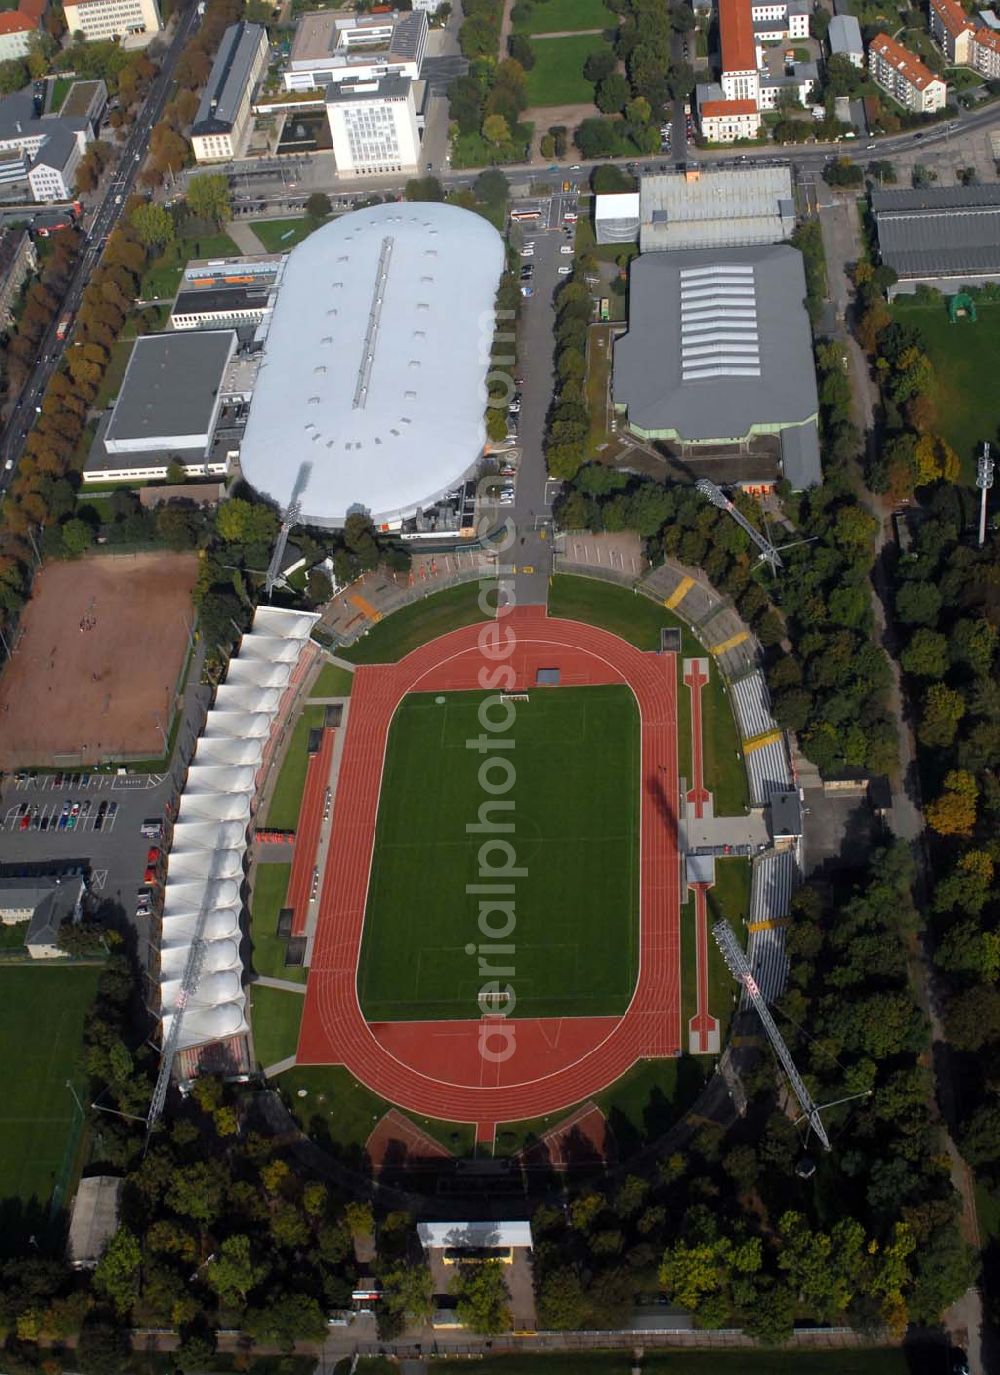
column 988, row 38
column 728, row 107
column 952, row 16
column 739, row 52
column 903, row 61
column 32, row 9
column 13, row 22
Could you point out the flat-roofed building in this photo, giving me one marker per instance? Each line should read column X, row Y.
column 946, row 236
column 222, row 125
column 712, row 209
column 616, row 217
column 373, row 125
column 167, row 410
column 797, row 79
column 904, row 76
column 330, row 47
column 103, row 20
column 844, row 38
column 719, row 351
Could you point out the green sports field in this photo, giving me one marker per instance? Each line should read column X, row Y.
column 576, row 819
column 42, row 1012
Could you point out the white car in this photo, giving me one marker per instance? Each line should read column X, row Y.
column 566, row 248
column 527, row 252
column 565, row 270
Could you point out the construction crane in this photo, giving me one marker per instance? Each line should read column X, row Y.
column 717, row 497
column 732, row 953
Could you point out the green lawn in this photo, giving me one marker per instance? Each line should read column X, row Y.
column 396, row 635
column 112, row 380
column 557, row 77
column 576, row 797
column 269, row 887
column 338, row 1111
column 563, row 16
column 333, row 681
column 275, row 1014
column 870, row 1361
column 278, row 236
column 42, row 1014
column 12, row 935
column 283, row 812
column 639, row 620
column 966, row 360
column 163, row 276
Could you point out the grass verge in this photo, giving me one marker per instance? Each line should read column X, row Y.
column 283, row 811
column 275, row 1014
column 278, row 236
column 270, row 885
column 333, row 681
column 564, row 16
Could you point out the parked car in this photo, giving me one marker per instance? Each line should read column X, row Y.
column 565, row 271
column 153, row 855
column 150, row 875
column 565, row 248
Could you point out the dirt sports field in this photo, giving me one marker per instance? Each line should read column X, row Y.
column 100, row 651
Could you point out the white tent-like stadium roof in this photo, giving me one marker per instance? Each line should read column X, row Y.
column 201, row 902
column 258, row 673
column 214, row 807
column 371, row 393
column 221, row 750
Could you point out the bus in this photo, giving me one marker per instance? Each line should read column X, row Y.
column 62, row 329
column 522, row 215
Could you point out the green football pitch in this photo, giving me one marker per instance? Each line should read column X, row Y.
column 576, row 829
column 42, row 1014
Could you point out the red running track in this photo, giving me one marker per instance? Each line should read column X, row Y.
column 307, row 834
column 436, row 1068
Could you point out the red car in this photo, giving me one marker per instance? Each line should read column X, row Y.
column 153, row 855
column 150, row 875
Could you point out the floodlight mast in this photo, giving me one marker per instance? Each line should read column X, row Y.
column 984, row 481
column 732, row 953
column 718, row 498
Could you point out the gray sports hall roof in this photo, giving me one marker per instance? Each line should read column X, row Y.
column 718, row 344
column 940, row 231
column 170, row 389
column 372, row 388
column 746, row 205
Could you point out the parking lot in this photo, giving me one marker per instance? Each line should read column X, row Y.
column 71, row 814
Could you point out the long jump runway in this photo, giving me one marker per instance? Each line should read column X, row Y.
column 436, row 1068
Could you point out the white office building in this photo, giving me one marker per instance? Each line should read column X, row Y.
column 373, row 125
column 363, row 47
column 107, row 19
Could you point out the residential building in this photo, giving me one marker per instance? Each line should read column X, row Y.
column 15, row 31
column 712, row 208
column 53, row 169
column 373, row 125
column 844, row 39
column 985, row 53
column 108, row 19
column 798, row 79
column 725, row 121
column 330, row 48
column 222, row 126
column 17, row 259
column 738, row 76
column 952, row 30
column 946, row 236
column 904, row 76
column 776, row 22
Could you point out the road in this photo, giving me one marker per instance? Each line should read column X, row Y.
column 105, row 217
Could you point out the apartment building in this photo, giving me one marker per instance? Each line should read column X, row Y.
column 17, row 259
column 43, row 150
column 725, row 121
column 963, row 42
column 107, row 19
column 774, row 23
column 373, row 125
column 15, row 31
column 903, row 76
column 221, row 129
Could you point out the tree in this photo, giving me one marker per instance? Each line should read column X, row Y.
column 153, row 224
column 562, row 1301
column 496, row 130
column 943, row 708
column 954, row 811
column 318, row 206
column 612, row 94
column 77, row 537
column 481, row 1297
column 232, row 1272
column 285, row 1319
column 521, row 51
column 918, row 603
column 599, row 65
column 117, row 1272
column 208, row 198
column 423, row 189
column 103, row 1349
column 926, row 654
column 408, row 1290
column 13, row 76
column 238, row 521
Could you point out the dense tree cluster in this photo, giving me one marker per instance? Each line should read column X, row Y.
column 485, row 109
column 41, row 302
column 568, row 419
column 727, row 1229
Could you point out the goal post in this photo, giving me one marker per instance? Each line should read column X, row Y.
column 513, row 697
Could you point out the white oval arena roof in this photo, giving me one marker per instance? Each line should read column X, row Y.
column 372, row 387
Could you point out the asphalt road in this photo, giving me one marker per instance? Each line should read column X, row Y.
column 105, row 217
